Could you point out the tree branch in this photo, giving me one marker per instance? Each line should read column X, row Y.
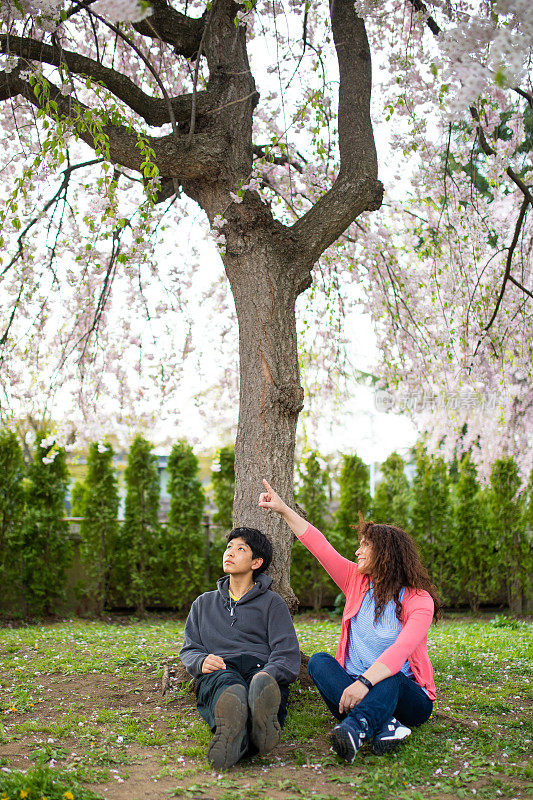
column 506, row 277
column 270, row 158
column 231, row 82
column 519, row 286
column 526, row 95
column 57, row 196
column 204, row 160
column 192, row 123
column 14, row 309
column 356, row 188
column 148, row 64
column 152, row 109
column 430, row 22
column 168, row 25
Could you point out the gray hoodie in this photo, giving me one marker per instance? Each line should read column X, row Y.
column 259, row 624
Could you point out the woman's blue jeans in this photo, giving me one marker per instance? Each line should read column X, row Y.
column 397, row 696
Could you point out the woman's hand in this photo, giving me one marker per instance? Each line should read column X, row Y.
column 212, row 663
column 352, row 696
column 271, row 500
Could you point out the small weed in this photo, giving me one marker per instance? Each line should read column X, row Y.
column 194, row 751
column 194, row 790
column 18, row 698
column 104, row 756
column 107, row 715
column 501, row 621
column 47, row 753
column 199, row 732
column 90, row 774
column 307, row 717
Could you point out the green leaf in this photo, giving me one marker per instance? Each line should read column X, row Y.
column 500, row 78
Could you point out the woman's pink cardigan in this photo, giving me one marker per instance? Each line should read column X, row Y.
column 417, row 612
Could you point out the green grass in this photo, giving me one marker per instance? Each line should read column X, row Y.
column 82, row 646
column 476, row 744
column 42, row 782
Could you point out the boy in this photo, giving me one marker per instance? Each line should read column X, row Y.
column 241, row 646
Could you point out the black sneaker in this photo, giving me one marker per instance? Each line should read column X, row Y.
column 228, row 744
column 390, row 737
column 346, row 741
column 264, row 698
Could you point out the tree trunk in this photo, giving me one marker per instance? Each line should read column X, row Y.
column 271, row 397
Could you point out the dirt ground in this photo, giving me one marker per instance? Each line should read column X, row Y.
column 141, row 698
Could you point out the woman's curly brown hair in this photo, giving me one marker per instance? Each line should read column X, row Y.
column 395, row 563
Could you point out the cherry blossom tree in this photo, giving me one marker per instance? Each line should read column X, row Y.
column 121, row 117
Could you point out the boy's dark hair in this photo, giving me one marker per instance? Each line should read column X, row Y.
column 258, row 543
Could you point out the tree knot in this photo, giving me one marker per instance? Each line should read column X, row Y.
column 289, row 397
column 377, row 196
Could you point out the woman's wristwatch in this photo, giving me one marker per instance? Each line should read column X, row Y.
column 365, row 682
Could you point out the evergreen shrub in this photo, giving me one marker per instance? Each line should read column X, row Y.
column 473, row 552
column 392, row 497
column 309, row 580
column 184, row 538
column 354, row 496
column 431, row 523
column 12, row 472
column 46, row 546
column 99, row 527
column 77, row 499
column 509, row 532
column 223, row 483
column 139, row 544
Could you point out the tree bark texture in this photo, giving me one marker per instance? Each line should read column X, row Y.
column 268, row 264
column 271, row 396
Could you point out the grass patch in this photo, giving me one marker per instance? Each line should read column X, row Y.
column 42, row 782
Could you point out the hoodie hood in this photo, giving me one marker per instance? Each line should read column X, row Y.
column 262, row 583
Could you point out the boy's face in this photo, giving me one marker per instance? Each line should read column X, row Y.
column 238, row 559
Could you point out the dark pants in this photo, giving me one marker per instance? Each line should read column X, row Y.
column 240, row 670
column 397, row 696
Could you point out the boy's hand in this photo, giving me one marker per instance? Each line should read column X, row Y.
column 271, row 500
column 212, row 663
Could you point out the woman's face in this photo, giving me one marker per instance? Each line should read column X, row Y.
column 364, row 557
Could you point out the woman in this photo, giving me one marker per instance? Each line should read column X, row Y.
column 381, row 679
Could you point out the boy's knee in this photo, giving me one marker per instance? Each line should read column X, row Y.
column 318, row 662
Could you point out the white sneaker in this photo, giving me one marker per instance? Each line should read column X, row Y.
column 390, row 737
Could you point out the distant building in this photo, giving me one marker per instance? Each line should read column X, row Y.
column 78, row 472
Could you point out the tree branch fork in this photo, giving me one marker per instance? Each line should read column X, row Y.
column 199, row 155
